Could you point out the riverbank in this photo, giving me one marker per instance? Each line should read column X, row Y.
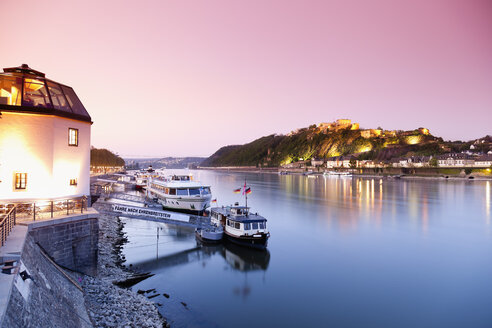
column 107, row 304
column 390, row 174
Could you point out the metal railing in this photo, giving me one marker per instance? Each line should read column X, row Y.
column 48, row 209
column 7, row 222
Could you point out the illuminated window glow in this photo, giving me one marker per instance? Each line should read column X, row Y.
column 73, row 182
column 73, row 137
column 9, row 91
column 20, row 181
column 35, row 94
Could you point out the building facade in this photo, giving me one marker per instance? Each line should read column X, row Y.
column 44, row 138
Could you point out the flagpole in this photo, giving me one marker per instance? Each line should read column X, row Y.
column 245, row 193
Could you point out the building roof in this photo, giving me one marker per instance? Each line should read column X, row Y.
column 454, row 156
column 23, row 89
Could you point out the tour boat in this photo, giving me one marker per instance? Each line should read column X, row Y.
column 180, row 192
column 212, row 234
column 142, row 177
column 340, row 174
column 240, row 226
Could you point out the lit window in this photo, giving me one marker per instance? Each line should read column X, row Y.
column 73, row 182
column 20, row 181
column 73, row 137
column 35, row 94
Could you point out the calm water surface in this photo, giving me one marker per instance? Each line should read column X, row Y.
column 343, row 252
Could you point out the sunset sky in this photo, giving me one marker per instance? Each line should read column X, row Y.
column 183, row 78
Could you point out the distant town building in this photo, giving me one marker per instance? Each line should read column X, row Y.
column 455, row 160
column 340, row 162
column 44, row 138
column 389, row 133
column 413, row 161
column 371, row 133
column 424, row 131
column 483, row 161
column 340, row 124
column 317, row 162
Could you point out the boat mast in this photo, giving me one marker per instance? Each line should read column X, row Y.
column 245, row 193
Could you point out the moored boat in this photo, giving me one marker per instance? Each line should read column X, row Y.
column 212, row 234
column 181, row 193
column 241, row 227
column 143, row 176
column 337, row 173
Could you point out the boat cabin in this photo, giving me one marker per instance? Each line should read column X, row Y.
column 240, row 211
column 190, row 191
column 181, row 178
column 247, row 227
column 237, row 219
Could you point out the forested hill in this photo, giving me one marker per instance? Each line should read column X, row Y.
column 104, row 157
column 321, row 142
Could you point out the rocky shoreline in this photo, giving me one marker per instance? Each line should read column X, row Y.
column 107, row 304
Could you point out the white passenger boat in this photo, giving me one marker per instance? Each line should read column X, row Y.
column 336, row 173
column 180, row 192
column 142, row 177
column 240, row 226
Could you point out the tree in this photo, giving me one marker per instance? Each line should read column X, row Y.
column 433, row 162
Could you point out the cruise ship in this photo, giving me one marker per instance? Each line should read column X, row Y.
column 181, row 193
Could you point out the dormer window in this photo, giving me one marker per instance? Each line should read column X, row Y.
column 73, row 137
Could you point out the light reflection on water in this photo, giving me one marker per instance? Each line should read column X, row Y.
column 344, row 252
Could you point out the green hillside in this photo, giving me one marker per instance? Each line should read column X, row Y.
column 315, row 142
column 104, row 157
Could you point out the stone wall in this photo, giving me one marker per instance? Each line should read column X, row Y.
column 47, row 298
column 72, row 244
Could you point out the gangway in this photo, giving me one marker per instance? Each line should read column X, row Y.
column 127, row 197
column 143, row 212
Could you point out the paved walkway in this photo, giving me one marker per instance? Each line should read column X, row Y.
column 8, row 252
column 12, row 249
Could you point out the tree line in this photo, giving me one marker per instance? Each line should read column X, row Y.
column 104, row 157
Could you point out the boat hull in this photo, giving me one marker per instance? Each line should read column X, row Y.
column 248, row 241
column 189, row 206
column 209, row 236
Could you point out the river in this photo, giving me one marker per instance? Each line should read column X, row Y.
column 343, row 252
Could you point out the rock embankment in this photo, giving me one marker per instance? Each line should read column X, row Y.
column 107, row 304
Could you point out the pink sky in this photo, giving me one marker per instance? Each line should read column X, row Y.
column 177, row 78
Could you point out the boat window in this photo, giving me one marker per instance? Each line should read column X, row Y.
column 166, row 190
column 236, row 225
column 247, row 226
column 255, row 225
column 194, row 191
column 182, row 192
column 262, row 225
column 172, row 191
column 205, row 190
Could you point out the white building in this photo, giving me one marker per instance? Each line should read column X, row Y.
column 455, row 160
column 44, row 138
column 483, row 161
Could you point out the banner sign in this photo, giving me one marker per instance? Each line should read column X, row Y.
column 142, row 211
